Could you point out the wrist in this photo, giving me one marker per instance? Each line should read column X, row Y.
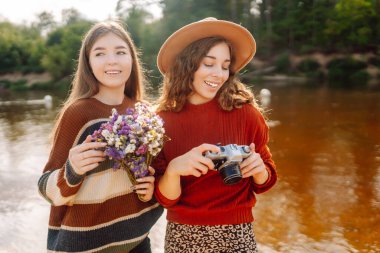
column 262, row 177
column 171, row 171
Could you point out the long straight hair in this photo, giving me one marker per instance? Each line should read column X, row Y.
column 178, row 81
column 85, row 84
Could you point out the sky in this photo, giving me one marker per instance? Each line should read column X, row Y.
column 25, row 11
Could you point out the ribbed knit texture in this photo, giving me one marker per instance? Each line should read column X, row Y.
column 207, row 200
column 96, row 212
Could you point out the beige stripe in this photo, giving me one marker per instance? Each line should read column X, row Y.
column 83, row 229
column 54, row 192
column 98, row 187
column 140, row 238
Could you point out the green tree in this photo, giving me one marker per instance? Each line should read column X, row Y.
column 294, row 25
column 63, row 46
column 20, row 48
column 45, row 22
column 350, row 25
column 71, row 15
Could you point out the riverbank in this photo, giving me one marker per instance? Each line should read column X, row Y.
column 337, row 68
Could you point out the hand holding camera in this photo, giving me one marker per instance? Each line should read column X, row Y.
column 192, row 163
column 228, row 161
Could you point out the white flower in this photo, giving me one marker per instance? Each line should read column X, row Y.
column 130, row 148
column 106, row 134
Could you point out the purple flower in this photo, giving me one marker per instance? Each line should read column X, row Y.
column 132, row 139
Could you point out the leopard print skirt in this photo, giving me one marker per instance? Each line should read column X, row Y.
column 216, row 239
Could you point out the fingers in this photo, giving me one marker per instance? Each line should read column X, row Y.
column 252, row 164
column 91, row 160
column 256, row 166
column 144, row 187
column 207, row 162
column 85, row 156
column 199, row 169
column 147, row 179
column 193, row 163
column 151, row 170
column 254, row 156
column 90, row 145
column 208, row 147
column 92, row 153
column 87, row 168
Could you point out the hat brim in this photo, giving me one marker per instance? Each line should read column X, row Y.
column 242, row 41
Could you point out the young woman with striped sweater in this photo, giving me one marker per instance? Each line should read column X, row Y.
column 93, row 207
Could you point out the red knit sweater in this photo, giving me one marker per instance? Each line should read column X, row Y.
column 207, row 200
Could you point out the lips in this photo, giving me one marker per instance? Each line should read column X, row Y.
column 112, row 72
column 211, row 84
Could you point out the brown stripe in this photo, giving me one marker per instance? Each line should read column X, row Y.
column 66, row 189
column 86, row 215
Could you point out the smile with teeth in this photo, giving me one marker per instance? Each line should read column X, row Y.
column 113, row 72
column 211, row 84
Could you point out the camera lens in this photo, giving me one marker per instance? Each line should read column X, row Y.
column 231, row 174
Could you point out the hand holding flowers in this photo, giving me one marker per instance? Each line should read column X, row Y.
column 86, row 157
column 133, row 140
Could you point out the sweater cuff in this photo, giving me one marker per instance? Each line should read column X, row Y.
column 72, row 177
column 272, row 178
column 164, row 201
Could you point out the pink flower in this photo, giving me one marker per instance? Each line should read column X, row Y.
column 142, row 149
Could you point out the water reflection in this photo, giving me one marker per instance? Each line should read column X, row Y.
column 327, row 149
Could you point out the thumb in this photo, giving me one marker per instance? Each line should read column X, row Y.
column 88, row 139
column 252, row 147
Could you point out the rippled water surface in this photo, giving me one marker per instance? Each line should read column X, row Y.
column 326, row 144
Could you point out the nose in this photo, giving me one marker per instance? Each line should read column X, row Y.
column 111, row 59
column 218, row 72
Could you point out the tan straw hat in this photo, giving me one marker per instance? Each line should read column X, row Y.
column 241, row 39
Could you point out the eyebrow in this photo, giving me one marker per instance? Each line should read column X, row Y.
column 102, row 48
column 214, row 58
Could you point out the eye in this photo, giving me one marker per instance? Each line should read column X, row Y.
column 99, row 54
column 226, row 68
column 207, row 65
column 121, row 52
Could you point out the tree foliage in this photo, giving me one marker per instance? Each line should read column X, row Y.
column 63, row 47
column 278, row 26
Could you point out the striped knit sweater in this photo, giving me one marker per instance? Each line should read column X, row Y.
column 96, row 212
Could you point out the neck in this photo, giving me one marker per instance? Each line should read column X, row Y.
column 110, row 97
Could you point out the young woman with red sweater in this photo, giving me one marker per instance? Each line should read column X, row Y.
column 203, row 104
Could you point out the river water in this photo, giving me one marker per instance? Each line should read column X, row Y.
column 326, row 144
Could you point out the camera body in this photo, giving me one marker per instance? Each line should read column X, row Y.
column 228, row 160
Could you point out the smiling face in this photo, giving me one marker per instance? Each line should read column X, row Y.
column 111, row 62
column 211, row 74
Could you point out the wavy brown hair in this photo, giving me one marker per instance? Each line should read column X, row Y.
column 178, row 81
column 85, row 84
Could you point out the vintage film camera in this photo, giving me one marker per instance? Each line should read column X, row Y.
column 228, row 160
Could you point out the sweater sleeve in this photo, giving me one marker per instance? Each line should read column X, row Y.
column 59, row 183
column 160, row 164
column 259, row 135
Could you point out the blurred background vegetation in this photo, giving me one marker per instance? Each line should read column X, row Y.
column 333, row 42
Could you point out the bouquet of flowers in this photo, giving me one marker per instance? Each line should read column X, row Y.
column 133, row 139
